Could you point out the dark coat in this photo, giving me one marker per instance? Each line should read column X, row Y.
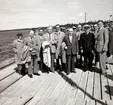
column 72, row 47
column 111, row 42
column 87, row 42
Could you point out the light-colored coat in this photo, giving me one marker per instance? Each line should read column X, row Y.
column 60, row 46
column 52, row 39
column 102, row 40
column 36, row 43
column 17, row 48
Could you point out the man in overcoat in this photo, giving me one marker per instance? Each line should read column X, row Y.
column 71, row 50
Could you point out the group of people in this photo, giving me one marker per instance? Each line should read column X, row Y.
column 60, row 48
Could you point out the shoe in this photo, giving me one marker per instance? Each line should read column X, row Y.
column 73, row 71
column 91, row 69
column 67, row 73
column 37, row 74
column 52, row 70
column 30, row 75
column 85, row 69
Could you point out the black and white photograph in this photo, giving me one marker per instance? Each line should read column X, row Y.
column 56, row 52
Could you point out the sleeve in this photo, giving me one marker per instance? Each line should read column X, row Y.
column 106, row 39
column 14, row 47
column 55, row 39
column 93, row 41
column 77, row 45
column 81, row 41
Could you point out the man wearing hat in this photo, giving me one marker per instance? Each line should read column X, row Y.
column 17, row 48
column 87, row 42
column 32, row 42
column 78, row 34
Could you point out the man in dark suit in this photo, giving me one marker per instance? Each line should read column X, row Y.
column 87, row 42
column 72, row 50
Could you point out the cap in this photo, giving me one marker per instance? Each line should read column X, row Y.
column 86, row 26
column 79, row 26
column 50, row 27
column 19, row 34
column 74, row 27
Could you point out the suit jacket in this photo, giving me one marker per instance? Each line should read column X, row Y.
column 72, row 46
column 60, row 36
column 87, row 42
column 52, row 39
column 102, row 39
column 34, row 44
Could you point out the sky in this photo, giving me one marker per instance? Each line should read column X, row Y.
column 16, row 14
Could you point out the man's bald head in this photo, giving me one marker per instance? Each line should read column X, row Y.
column 70, row 30
column 31, row 33
column 50, row 29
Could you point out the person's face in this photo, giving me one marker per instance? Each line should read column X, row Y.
column 50, row 31
column 58, row 28
column 96, row 27
column 37, row 32
column 87, row 30
column 100, row 24
column 20, row 37
column 31, row 34
column 74, row 30
column 70, row 32
column 41, row 32
column 79, row 28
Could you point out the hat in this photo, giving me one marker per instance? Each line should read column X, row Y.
column 86, row 26
column 95, row 25
column 50, row 27
column 79, row 26
column 19, row 34
column 74, row 27
column 57, row 25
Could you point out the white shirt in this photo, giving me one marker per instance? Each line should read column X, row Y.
column 70, row 38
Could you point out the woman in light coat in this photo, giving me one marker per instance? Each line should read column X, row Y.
column 17, row 48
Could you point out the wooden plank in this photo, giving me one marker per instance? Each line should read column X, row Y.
column 49, row 91
column 81, row 102
column 89, row 88
column 71, row 101
column 7, row 71
column 12, row 89
column 56, row 93
column 97, row 87
column 104, row 83
column 109, row 87
column 81, row 88
column 6, row 63
column 9, row 81
column 74, row 87
column 75, row 83
column 101, row 102
column 62, row 99
column 19, row 92
column 22, row 99
column 109, row 102
column 42, row 90
column 90, row 102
